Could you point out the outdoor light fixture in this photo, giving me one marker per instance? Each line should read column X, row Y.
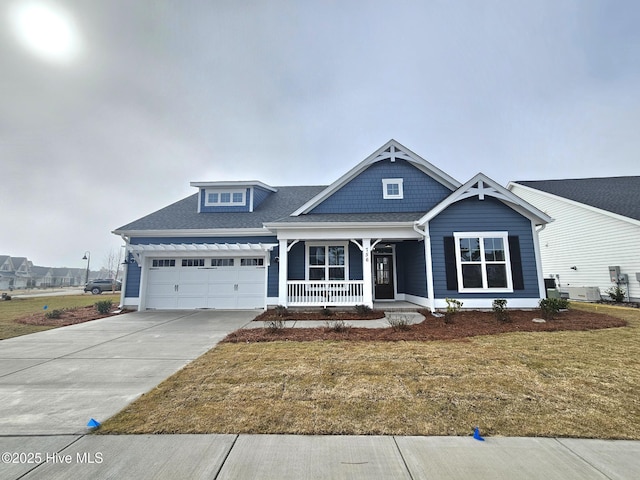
column 574, row 268
column 87, row 257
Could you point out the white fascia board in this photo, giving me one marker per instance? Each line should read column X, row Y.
column 376, row 156
column 499, row 192
column 617, row 216
column 211, row 232
column 233, row 184
column 395, row 230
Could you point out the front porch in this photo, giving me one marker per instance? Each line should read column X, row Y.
column 349, row 272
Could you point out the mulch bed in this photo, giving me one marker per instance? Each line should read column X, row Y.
column 68, row 317
column 298, row 315
column 466, row 324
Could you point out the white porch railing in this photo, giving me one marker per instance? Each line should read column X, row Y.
column 324, row 293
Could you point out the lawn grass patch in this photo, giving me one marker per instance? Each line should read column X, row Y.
column 568, row 384
column 17, row 308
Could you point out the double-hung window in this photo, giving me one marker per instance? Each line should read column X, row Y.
column 482, row 261
column 327, row 262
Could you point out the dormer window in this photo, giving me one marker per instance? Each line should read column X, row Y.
column 225, row 198
column 392, row 188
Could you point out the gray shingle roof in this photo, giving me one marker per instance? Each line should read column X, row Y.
column 184, row 213
column 619, row 195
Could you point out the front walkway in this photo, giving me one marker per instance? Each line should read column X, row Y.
column 54, row 382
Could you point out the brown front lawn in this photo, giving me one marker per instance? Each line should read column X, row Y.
column 578, row 383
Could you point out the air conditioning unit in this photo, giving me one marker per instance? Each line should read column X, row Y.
column 585, row 294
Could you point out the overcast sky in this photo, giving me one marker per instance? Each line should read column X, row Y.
column 111, row 116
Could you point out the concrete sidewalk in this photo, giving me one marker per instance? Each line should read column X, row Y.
column 292, row 457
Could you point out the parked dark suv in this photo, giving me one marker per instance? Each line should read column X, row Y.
column 98, row 286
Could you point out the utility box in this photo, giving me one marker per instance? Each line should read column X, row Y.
column 585, row 294
column 614, row 274
column 638, row 276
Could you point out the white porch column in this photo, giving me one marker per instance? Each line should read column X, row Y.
column 283, row 268
column 367, row 273
column 429, row 262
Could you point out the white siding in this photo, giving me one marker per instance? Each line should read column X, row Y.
column 587, row 239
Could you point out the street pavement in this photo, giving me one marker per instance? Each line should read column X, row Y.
column 53, row 382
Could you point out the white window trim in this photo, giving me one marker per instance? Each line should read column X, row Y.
column 482, row 235
column 345, row 245
column 392, row 181
column 231, row 203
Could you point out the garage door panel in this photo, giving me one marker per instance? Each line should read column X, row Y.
column 251, row 274
column 160, row 289
column 222, row 302
column 161, row 302
column 189, row 287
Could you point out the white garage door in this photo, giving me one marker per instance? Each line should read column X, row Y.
column 223, row 283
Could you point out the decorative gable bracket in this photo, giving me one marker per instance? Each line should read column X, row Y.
column 482, row 186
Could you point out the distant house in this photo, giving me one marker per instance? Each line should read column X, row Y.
column 20, row 273
column 393, row 228
column 597, row 226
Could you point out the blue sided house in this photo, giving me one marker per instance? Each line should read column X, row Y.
column 393, row 228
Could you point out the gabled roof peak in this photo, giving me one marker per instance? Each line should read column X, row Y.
column 392, row 150
column 482, row 186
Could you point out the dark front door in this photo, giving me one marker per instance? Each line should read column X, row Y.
column 383, row 277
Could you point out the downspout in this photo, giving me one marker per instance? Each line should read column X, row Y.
column 536, row 246
column 429, row 262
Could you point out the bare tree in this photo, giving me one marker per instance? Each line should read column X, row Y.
column 112, row 262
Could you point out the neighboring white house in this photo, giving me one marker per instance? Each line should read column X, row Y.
column 597, row 226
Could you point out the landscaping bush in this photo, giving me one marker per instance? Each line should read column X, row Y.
column 399, row 322
column 281, row 311
column 363, row 309
column 453, row 307
column 104, row 306
column 551, row 306
column 53, row 314
column 275, row 325
column 338, row 326
column 617, row 293
column 500, row 310
column 327, row 312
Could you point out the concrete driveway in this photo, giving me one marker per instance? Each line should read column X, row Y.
column 54, row 382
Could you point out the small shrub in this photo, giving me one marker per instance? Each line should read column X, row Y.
column 363, row 309
column 453, row 307
column 6, row 296
column 338, row 326
column 104, row 306
column 551, row 306
column 327, row 312
column 399, row 322
column 617, row 293
column 275, row 325
column 53, row 314
column 500, row 310
column 281, row 311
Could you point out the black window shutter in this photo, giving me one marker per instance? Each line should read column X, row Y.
column 516, row 263
column 450, row 263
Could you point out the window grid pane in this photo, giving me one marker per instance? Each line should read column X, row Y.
column 483, row 263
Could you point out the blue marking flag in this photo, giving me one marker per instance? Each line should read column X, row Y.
column 93, row 423
column 476, row 434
